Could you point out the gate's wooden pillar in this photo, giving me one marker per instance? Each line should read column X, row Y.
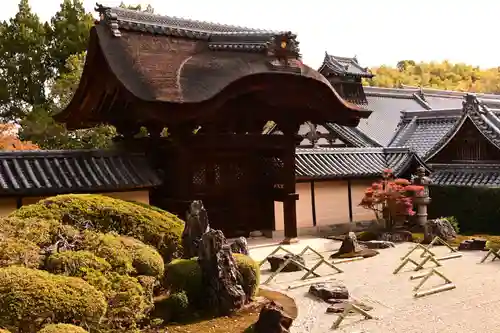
column 290, row 199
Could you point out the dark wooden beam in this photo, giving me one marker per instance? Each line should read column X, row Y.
column 349, row 199
column 313, row 203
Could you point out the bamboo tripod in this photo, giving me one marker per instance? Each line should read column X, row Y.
column 309, row 271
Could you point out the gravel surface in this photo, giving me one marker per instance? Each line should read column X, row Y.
column 468, row 308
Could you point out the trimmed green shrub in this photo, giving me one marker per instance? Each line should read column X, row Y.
column 74, row 263
column 366, row 236
column 109, row 247
column 185, row 275
column 62, row 328
column 177, row 306
column 37, row 230
column 105, row 214
column 19, row 252
column 29, row 297
column 145, row 259
column 128, row 301
column 250, row 270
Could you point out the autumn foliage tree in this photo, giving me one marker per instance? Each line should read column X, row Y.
column 390, row 199
column 10, row 141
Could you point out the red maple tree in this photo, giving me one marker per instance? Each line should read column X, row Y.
column 10, row 141
column 390, row 199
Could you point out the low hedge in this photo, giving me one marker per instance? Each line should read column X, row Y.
column 62, row 328
column 476, row 209
column 105, row 214
column 184, row 275
column 29, row 297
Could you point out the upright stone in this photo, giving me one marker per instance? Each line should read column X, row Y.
column 240, row 245
column 350, row 244
column 196, row 225
column 221, row 278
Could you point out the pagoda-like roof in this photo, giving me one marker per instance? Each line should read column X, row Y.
column 343, row 66
column 139, row 63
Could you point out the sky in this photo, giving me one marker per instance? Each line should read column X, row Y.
column 377, row 32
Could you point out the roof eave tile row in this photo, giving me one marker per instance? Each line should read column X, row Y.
column 57, row 172
column 340, row 163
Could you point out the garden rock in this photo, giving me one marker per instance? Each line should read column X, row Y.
column 350, row 248
column 196, row 225
column 441, row 228
column 272, row 319
column 472, row 244
column 220, row 276
column 329, row 290
column 350, row 244
column 374, row 244
column 397, row 236
column 240, row 246
column 277, row 260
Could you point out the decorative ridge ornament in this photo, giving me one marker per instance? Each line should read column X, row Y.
column 107, row 16
column 470, row 103
column 284, row 46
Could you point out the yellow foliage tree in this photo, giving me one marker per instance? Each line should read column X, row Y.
column 439, row 75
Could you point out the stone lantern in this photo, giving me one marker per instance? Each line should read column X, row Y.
column 422, row 200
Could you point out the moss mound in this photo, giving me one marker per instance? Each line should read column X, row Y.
column 109, row 247
column 175, row 308
column 128, row 301
column 366, row 236
column 30, row 297
column 105, row 214
column 37, row 230
column 19, row 252
column 62, row 328
column 184, row 275
column 145, row 259
column 75, row 263
column 250, row 270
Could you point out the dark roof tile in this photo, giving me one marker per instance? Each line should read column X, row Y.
column 331, row 163
column 56, row 172
column 466, row 175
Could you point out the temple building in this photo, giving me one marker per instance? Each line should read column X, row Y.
column 216, row 87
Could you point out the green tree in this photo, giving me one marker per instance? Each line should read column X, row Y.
column 24, row 63
column 40, row 128
column 69, row 32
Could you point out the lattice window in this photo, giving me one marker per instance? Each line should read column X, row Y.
column 471, row 149
column 200, row 176
column 217, row 174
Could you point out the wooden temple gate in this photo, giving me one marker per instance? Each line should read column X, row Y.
column 213, row 87
column 238, row 178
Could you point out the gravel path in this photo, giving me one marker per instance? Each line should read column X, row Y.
column 468, row 308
